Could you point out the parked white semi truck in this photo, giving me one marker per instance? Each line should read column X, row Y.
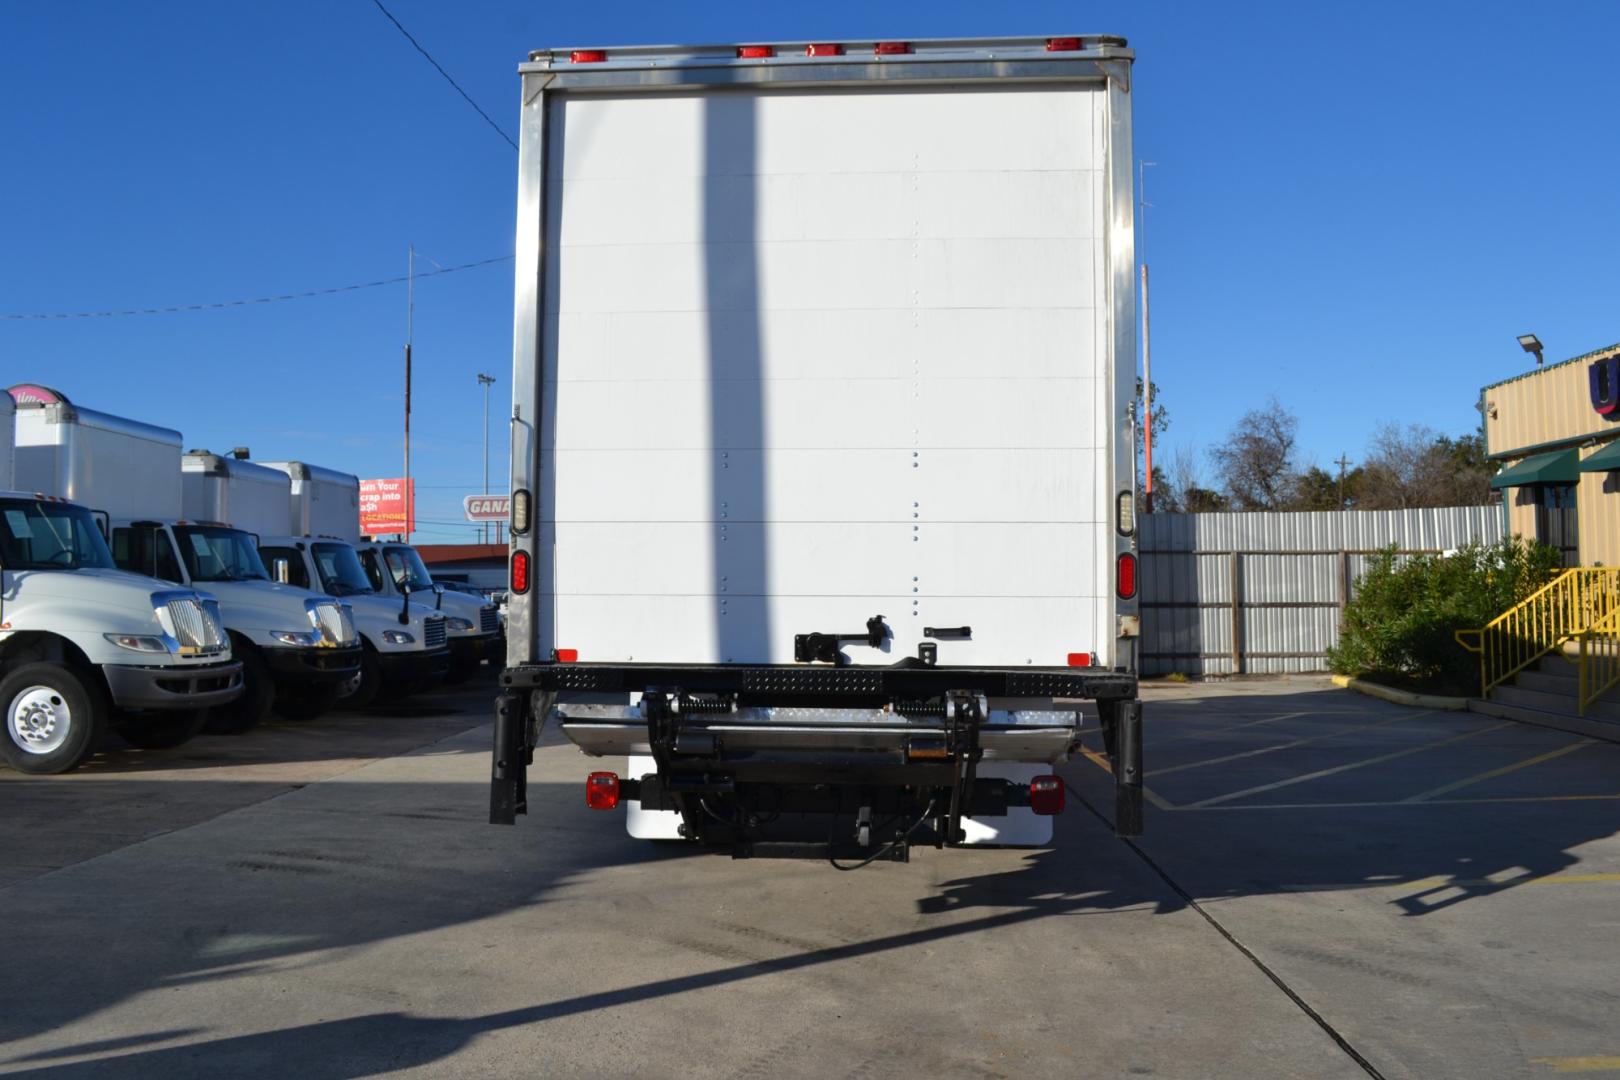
column 297, row 648
column 83, row 645
column 822, row 486
column 403, row 639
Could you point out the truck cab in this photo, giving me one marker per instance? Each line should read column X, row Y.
column 403, row 647
column 473, row 625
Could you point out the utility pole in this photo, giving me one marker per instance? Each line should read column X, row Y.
column 1147, row 352
column 410, row 317
column 486, row 381
column 1343, row 462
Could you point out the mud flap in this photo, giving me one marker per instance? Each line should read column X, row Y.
column 508, row 794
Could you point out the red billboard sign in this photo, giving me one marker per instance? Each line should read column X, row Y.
column 387, row 506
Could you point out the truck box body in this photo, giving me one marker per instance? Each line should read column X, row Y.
column 8, row 448
column 813, row 355
column 124, row 467
column 824, row 343
column 244, row 494
column 324, row 502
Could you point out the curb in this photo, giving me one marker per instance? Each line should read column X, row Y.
column 1400, row 697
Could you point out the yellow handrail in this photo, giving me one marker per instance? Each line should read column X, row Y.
column 1569, row 607
column 1600, row 658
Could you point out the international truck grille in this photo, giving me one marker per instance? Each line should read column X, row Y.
column 196, row 625
column 489, row 620
column 433, row 633
column 335, row 624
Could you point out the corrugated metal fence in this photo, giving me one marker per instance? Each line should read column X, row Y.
column 1289, row 572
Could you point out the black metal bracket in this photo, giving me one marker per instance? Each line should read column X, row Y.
column 965, row 713
column 823, row 648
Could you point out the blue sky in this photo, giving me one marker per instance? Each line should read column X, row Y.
column 1356, row 207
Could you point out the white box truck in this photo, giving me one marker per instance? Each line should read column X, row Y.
column 83, row 645
column 822, row 485
column 403, row 646
column 329, row 502
column 297, row 648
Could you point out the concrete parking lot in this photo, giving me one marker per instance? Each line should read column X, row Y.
column 1331, row 886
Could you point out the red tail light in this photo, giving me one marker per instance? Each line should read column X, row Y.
column 602, row 791
column 595, row 56
column 1045, row 795
column 891, row 48
column 754, row 52
column 1082, row 659
column 1125, row 579
column 824, row 50
column 1063, row 44
column 565, row 656
column 520, row 571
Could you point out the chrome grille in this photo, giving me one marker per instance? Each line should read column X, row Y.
column 197, row 625
column 334, row 623
column 433, row 632
column 488, row 620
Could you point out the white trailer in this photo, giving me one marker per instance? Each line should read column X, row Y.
column 403, row 640
column 83, row 644
column 821, row 436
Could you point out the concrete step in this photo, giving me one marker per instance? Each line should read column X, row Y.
column 1559, row 701
column 1549, row 682
column 1588, row 726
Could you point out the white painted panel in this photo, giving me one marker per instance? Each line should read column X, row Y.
column 816, row 357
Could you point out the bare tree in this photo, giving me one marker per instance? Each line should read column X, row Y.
column 1256, row 465
column 1416, row 466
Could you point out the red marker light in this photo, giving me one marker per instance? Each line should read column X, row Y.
column 1125, row 578
column 825, row 49
column 1045, row 795
column 1082, row 659
column 602, row 791
column 1063, row 44
column 891, row 48
column 565, row 656
column 592, row 56
column 754, row 52
column 520, row 571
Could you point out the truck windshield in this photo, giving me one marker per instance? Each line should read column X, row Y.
column 405, row 566
column 37, row 535
column 340, row 570
column 215, row 553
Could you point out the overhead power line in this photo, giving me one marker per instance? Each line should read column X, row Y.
column 437, row 67
column 254, row 300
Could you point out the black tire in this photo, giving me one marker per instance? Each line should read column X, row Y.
column 307, row 703
column 73, row 696
column 160, row 730
column 370, row 679
column 258, row 694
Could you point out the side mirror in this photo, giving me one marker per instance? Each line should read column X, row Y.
column 405, row 609
column 281, row 570
column 438, row 596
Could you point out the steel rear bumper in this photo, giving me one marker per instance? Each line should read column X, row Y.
column 190, row 687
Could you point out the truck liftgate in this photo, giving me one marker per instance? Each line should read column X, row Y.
column 825, row 740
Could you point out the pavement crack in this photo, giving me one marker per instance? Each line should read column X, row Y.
column 1231, row 939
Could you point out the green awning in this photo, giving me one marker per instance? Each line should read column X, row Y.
column 1604, row 460
column 1558, row 467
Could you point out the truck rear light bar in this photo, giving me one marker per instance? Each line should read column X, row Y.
column 520, row 511
column 891, row 48
column 520, row 571
column 596, row 56
column 1064, row 44
column 1082, row 659
column 602, row 791
column 755, row 52
column 565, row 656
column 1125, row 514
column 1125, row 576
column 1045, row 794
column 824, row 49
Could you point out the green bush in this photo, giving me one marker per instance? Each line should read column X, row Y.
column 1400, row 624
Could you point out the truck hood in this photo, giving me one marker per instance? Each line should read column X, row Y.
column 113, row 589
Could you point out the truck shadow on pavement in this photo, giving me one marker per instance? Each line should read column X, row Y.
column 271, row 908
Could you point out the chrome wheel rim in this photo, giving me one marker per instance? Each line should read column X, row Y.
column 39, row 719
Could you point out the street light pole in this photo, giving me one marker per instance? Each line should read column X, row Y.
column 486, row 381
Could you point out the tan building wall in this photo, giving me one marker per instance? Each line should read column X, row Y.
column 1535, row 413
